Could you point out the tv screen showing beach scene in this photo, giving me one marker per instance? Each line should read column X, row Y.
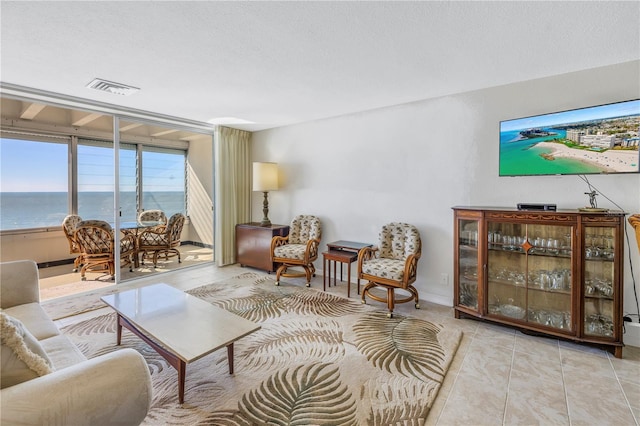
column 598, row 139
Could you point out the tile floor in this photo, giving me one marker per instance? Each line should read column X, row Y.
column 498, row 376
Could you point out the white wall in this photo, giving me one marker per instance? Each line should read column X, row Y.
column 200, row 191
column 413, row 162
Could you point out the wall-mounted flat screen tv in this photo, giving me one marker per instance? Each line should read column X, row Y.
column 597, row 139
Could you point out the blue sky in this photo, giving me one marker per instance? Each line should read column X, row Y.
column 573, row 116
column 43, row 167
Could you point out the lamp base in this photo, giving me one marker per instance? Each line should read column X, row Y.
column 265, row 211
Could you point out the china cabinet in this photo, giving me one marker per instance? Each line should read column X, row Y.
column 557, row 273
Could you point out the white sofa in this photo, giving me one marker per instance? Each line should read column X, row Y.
column 112, row 389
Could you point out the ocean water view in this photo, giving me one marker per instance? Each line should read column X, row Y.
column 24, row 210
column 522, row 156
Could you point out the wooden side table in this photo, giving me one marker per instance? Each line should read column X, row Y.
column 344, row 252
column 253, row 244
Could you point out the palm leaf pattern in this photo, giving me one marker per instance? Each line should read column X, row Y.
column 398, row 400
column 231, row 418
column 295, row 340
column 259, row 306
column 309, row 394
column 312, row 302
column 408, row 346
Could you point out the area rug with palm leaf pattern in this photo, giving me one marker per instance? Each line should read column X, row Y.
column 318, row 359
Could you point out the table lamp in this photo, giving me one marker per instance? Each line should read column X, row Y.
column 265, row 179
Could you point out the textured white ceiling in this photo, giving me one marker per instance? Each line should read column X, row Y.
column 279, row 63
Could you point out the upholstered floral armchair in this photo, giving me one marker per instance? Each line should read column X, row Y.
column 69, row 225
column 162, row 241
column 97, row 242
column 299, row 248
column 393, row 265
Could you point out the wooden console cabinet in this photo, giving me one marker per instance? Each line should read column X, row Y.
column 253, row 244
column 554, row 273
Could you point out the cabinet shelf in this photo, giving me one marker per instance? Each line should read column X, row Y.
column 598, row 296
column 524, row 286
column 531, row 252
column 571, row 290
column 599, row 260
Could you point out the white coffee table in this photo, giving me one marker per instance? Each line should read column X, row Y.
column 180, row 327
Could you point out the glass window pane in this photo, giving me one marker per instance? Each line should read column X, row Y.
column 34, row 183
column 95, row 181
column 164, row 180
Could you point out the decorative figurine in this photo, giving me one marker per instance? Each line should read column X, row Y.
column 592, row 199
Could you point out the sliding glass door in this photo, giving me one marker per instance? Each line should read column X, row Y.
column 62, row 161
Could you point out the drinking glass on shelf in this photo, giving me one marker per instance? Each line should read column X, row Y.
column 608, row 247
column 553, row 246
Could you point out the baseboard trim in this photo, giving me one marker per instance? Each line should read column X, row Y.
column 55, row 263
column 437, row 299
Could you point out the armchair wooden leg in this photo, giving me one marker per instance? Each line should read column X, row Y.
column 282, row 268
column 307, row 272
column 390, row 301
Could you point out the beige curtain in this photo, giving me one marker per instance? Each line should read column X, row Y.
column 233, row 189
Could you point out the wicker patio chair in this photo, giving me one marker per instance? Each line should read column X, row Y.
column 96, row 240
column 165, row 241
column 69, row 225
column 154, row 216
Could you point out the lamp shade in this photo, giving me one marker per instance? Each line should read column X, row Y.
column 265, row 176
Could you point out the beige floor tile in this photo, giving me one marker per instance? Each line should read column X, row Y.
column 495, row 336
column 597, row 401
column 632, row 392
column 636, row 414
column 539, row 345
column 628, row 367
column 585, row 365
column 487, row 365
column 582, row 348
column 545, row 366
column 473, row 402
column 533, row 400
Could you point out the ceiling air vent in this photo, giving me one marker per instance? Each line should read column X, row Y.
column 111, row 87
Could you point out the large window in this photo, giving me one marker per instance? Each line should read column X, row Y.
column 36, row 189
column 164, row 180
column 33, row 183
column 95, row 180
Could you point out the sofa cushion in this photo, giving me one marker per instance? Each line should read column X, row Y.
column 34, row 319
column 23, row 358
column 62, row 352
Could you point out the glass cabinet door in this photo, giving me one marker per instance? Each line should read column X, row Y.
column 468, row 263
column 507, row 270
column 598, row 283
column 529, row 274
column 549, row 277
